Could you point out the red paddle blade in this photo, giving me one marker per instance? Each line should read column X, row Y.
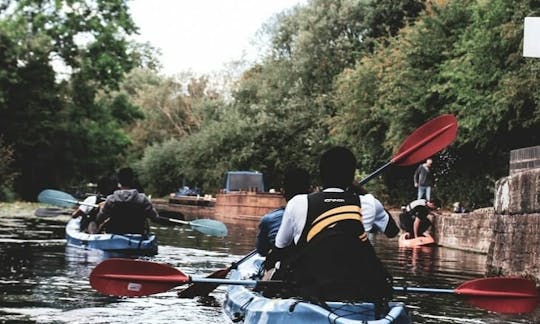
column 427, row 140
column 499, row 287
column 127, row 277
column 201, row 288
column 516, row 305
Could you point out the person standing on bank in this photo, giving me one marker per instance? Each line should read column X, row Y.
column 126, row 211
column 423, row 180
column 296, row 181
column 333, row 258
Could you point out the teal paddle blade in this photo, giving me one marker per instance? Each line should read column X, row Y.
column 51, row 212
column 209, row 227
column 57, row 198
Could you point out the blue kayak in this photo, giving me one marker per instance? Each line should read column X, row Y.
column 139, row 244
column 242, row 304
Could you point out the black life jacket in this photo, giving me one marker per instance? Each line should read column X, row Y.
column 334, row 259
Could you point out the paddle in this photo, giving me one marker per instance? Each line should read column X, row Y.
column 205, row 226
column 498, row 294
column 425, row 141
column 63, row 199
column 60, row 199
column 51, row 212
column 203, row 289
column 128, row 277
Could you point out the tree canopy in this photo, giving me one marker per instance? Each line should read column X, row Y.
column 358, row 73
column 58, row 57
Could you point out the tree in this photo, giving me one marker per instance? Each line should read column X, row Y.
column 459, row 57
column 50, row 118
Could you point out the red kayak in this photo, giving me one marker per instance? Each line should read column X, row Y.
column 406, row 241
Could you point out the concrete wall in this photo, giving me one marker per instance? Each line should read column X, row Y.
column 468, row 231
column 518, row 193
column 509, row 233
column 515, row 249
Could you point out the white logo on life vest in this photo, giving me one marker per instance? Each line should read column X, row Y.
column 330, row 200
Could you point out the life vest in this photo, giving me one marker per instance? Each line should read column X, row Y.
column 334, row 259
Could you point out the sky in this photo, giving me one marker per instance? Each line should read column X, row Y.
column 202, row 36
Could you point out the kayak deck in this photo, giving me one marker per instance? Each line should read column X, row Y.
column 139, row 244
column 244, row 305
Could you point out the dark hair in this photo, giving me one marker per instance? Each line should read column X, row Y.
column 126, row 177
column 107, row 185
column 337, row 166
column 436, row 202
column 296, row 181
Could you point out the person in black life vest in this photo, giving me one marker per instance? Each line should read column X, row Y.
column 333, row 258
column 416, row 218
column 127, row 210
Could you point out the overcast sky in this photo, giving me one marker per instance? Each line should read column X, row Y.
column 203, row 35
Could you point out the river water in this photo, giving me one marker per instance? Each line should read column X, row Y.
column 43, row 281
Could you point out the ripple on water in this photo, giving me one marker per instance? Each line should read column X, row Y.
column 43, row 281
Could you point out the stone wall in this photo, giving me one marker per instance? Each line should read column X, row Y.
column 509, row 233
column 515, row 249
column 524, row 159
column 468, row 231
column 518, row 193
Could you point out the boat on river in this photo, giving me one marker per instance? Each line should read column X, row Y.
column 243, row 304
column 137, row 244
column 406, row 241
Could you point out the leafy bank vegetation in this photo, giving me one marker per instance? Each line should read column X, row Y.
column 353, row 72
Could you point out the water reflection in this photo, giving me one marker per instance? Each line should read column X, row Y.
column 418, row 260
column 43, row 281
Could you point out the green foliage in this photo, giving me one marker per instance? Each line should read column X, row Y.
column 198, row 159
column 363, row 74
column 459, row 57
column 7, row 172
column 51, row 119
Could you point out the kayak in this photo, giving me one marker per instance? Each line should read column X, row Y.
column 139, row 244
column 425, row 239
column 242, row 304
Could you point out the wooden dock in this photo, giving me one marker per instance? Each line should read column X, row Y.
column 246, row 205
column 232, row 207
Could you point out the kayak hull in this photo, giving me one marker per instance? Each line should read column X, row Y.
column 139, row 244
column 242, row 304
column 425, row 239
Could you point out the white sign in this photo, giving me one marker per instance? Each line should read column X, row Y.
column 531, row 37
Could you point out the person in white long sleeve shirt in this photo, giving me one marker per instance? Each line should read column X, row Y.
column 374, row 218
column 332, row 257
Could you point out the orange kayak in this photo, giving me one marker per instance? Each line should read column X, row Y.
column 425, row 239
